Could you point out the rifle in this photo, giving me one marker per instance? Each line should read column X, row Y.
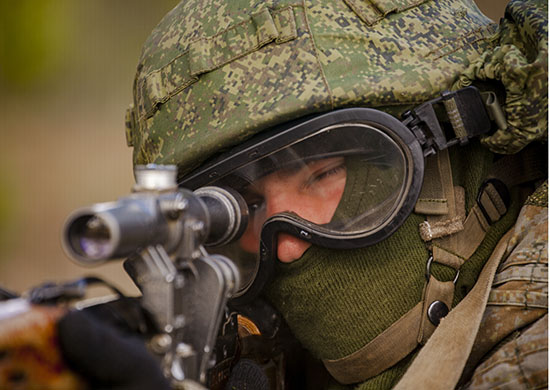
column 161, row 230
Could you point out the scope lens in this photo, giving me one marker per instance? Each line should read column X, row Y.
column 95, row 239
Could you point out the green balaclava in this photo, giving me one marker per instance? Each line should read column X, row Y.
column 213, row 74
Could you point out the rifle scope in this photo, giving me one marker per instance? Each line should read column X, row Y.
column 211, row 216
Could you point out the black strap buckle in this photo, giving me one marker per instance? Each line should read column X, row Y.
column 465, row 112
column 501, row 194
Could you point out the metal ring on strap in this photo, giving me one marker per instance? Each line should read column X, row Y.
column 429, row 270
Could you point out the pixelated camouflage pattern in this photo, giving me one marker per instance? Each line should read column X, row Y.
column 521, row 363
column 512, row 343
column 214, row 73
column 520, row 62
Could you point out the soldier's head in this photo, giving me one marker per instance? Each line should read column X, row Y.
column 321, row 115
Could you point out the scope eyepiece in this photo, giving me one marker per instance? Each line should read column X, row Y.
column 228, row 214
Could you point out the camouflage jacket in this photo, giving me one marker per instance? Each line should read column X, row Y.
column 511, row 348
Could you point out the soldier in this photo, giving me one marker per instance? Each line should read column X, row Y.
column 392, row 223
column 389, row 154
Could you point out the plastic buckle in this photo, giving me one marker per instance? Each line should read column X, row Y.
column 502, row 191
column 468, row 117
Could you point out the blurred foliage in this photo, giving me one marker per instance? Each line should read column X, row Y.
column 32, row 36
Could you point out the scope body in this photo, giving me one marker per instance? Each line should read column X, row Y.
column 115, row 230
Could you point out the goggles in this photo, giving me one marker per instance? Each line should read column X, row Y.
column 296, row 178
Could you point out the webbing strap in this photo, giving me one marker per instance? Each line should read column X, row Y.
column 439, row 199
column 455, row 118
column 382, row 352
column 465, row 243
column 444, row 229
column 435, row 228
column 454, row 238
column 441, row 361
column 447, row 258
column 432, row 199
column 435, row 290
column 460, row 246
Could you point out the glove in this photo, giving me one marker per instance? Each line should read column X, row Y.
column 107, row 357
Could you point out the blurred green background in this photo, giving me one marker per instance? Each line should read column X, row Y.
column 66, row 72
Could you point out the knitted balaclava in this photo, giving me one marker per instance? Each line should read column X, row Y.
column 336, row 301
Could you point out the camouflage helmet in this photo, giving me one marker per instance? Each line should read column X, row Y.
column 212, row 74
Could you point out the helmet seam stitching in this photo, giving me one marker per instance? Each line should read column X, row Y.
column 316, row 53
